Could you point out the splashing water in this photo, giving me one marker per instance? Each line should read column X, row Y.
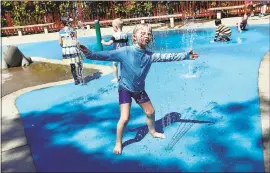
column 184, row 127
column 187, row 41
column 81, row 27
column 239, row 40
column 190, row 73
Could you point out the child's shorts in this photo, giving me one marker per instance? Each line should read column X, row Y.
column 125, row 96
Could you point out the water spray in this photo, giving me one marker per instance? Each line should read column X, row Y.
column 79, row 64
column 187, row 40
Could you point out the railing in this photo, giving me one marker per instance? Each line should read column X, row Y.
column 150, row 19
column 52, row 27
column 227, row 8
column 19, row 30
column 29, row 29
column 239, row 9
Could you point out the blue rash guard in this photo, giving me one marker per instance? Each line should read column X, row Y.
column 135, row 64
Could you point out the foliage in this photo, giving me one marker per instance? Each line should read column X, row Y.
column 34, row 12
column 25, row 12
column 214, row 4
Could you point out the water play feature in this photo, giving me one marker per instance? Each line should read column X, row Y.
column 13, row 57
column 187, row 40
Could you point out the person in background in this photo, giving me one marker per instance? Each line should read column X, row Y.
column 263, row 8
column 223, row 32
column 119, row 39
column 70, row 53
column 249, row 7
column 242, row 24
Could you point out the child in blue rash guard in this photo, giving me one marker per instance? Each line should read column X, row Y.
column 135, row 62
column 119, row 39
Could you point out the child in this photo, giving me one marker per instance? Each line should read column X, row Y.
column 68, row 42
column 248, row 6
column 119, row 39
column 263, row 8
column 223, row 33
column 242, row 24
column 135, row 62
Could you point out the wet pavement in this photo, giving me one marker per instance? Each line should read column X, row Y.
column 37, row 73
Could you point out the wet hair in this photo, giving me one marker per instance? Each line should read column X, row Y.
column 118, row 22
column 217, row 22
column 139, row 27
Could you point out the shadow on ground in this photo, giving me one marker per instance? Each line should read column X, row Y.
column 81, row 138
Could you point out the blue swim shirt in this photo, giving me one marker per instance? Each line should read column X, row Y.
column 135, row 63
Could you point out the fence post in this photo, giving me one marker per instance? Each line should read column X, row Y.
column 46, row 29
column 172, row 22
column 218, row 14
column 19, row 31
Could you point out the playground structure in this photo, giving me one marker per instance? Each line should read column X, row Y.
column 160, row 13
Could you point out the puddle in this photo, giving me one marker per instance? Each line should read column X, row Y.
column 37, row 73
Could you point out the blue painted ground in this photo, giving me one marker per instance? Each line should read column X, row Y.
column 208, row 109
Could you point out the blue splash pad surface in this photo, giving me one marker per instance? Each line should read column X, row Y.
column 208, row 109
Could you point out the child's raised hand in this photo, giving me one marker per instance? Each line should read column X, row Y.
column 193, row 55
column 102, row 41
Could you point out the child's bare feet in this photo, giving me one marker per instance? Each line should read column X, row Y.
column 158, row 135
column 117, row 149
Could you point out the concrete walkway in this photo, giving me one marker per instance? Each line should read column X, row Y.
column 16, row 154
column 264, row 89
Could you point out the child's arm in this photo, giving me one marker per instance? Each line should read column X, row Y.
column 217, row 34
column 239, row 26
column 113, row 55
column 60, row 41
column 168, row 57
column 60, row 38
column 76, row 35
column 107, row 43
